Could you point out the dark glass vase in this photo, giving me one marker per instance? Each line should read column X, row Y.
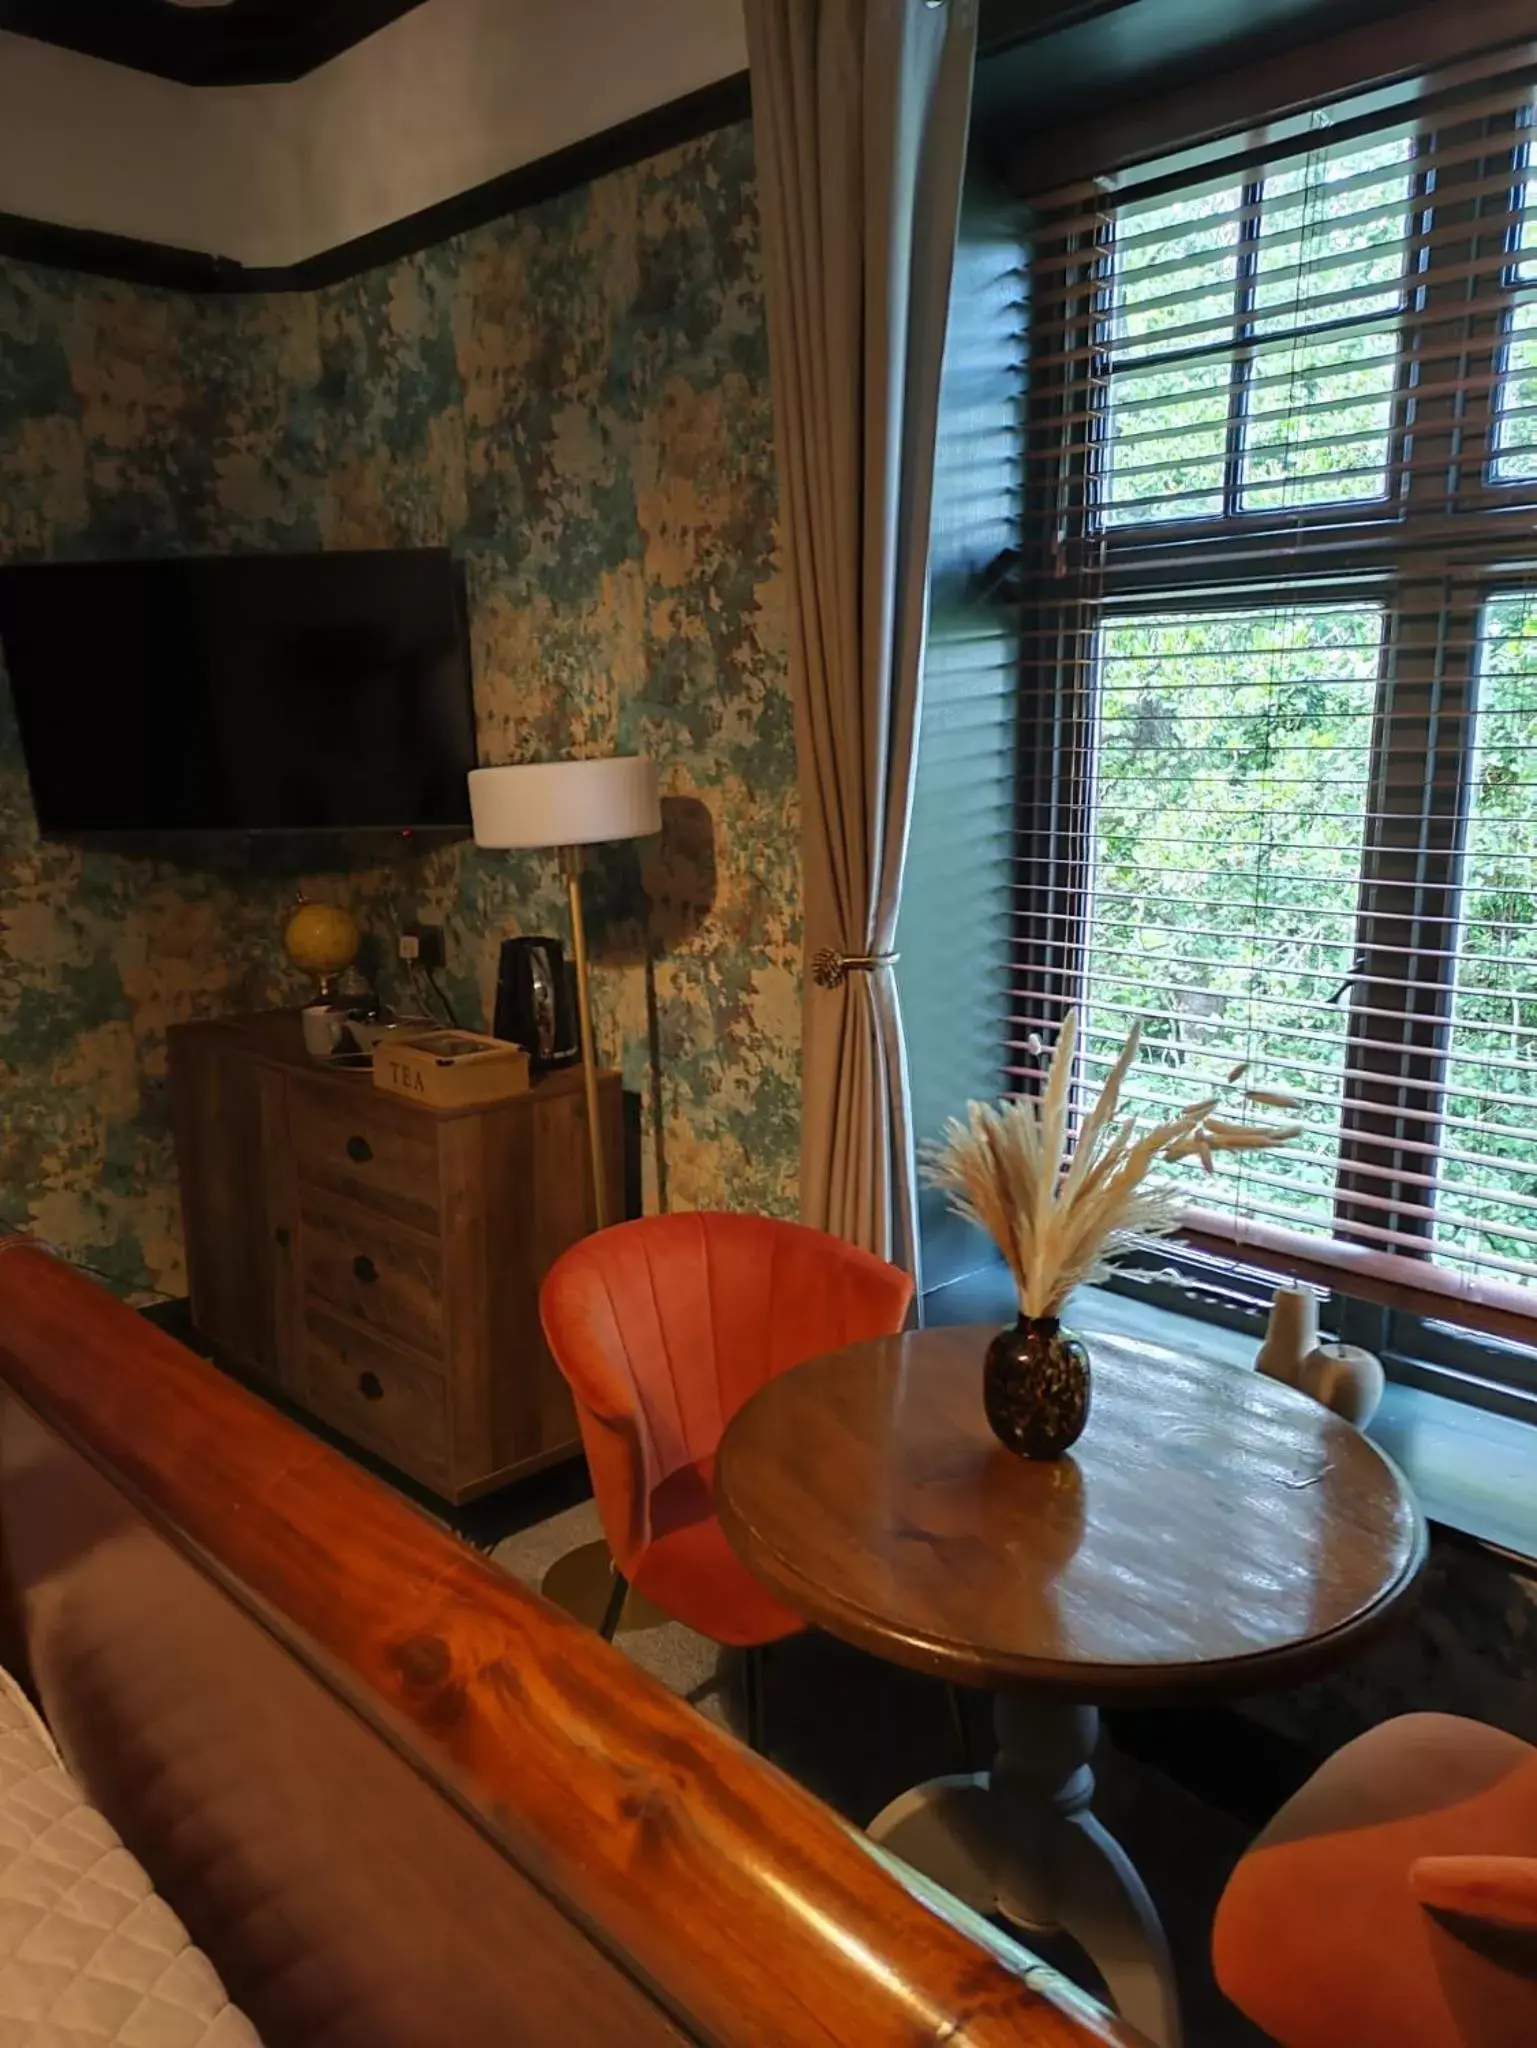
column 1035, row 1387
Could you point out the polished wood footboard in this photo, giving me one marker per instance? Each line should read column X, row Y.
column 402, row 1801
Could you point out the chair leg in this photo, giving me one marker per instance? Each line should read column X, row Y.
column 619, row 1592
column 752, row 1676
column 960, row 1728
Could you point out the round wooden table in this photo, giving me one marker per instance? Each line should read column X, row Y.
column 1211, row 1534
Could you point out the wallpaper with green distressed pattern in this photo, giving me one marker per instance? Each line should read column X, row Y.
column 575, row 399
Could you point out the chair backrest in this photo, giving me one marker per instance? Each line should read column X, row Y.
column 664, row 1327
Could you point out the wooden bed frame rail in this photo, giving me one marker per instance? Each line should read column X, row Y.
column 143, row 1493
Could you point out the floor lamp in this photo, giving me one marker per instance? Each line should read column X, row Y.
column 570, row 804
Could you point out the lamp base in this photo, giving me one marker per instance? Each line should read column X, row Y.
column 581, row 1581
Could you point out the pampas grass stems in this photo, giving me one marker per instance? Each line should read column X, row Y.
column 1060, row 1212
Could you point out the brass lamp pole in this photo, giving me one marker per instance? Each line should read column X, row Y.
column 569, row 805
column 571, row 863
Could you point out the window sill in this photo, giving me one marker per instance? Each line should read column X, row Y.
column 1474, row 1472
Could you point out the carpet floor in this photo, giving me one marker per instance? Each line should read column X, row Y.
column 857, row 1731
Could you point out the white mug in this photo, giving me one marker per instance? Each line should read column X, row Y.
column 324, row 1027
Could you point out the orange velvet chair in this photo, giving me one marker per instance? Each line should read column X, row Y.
column 663, row 1328
column 1392, row 1903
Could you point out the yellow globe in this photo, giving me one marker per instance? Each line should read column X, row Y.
column 321, row 938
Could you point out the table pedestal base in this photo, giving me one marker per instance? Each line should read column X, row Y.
column 1020, row 1841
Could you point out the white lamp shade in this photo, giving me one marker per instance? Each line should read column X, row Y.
column 565, row 803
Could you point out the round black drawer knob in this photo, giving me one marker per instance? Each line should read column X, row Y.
column 280, row 1237
column 360, row 1150
column 370, row 1386
column 365, row 1268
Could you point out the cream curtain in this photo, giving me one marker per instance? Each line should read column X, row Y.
column 860, row 110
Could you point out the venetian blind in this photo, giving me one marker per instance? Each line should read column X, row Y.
column 1279, row 593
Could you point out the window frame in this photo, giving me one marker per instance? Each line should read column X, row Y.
column 1398, row 1041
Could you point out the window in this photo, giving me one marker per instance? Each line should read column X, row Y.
column 1224, row 869
column 1253, row 345
column 1279, row 591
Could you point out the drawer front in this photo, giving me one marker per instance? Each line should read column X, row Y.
column 376, row 1394
column 384, row 1157
column 356, row 1262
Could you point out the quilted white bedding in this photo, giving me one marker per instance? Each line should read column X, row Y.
column 88, row 1953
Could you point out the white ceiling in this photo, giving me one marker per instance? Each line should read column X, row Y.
column 453, row 93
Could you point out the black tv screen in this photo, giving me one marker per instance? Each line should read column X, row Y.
column 244, row 693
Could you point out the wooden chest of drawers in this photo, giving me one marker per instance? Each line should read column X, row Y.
column 376, row 1262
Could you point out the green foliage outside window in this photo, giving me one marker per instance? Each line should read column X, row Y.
column 1232, row 773
column 1255, row 364
column 1488, row 1171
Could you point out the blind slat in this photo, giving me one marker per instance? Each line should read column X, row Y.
column 1276, row 619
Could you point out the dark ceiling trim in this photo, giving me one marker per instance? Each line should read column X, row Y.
column 271, row 42
column 45, row 243
column 564, row 170
column 249, row 42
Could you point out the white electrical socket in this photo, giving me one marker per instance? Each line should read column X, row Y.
column 410, row 946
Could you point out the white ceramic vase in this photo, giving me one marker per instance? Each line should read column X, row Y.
column 1346, row 1379
column 1291, row 1335
column 1340, row 1377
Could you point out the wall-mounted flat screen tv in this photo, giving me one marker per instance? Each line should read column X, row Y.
column 242, row 693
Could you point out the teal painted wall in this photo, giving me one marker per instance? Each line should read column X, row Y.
column 576, row 400
column 956, row 924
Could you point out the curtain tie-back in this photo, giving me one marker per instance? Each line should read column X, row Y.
column 832, row 970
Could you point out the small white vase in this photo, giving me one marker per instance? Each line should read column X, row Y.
column 1291, row 1335
column 1344, row 1378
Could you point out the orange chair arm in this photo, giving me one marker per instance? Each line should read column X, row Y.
column 1498, row 1891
